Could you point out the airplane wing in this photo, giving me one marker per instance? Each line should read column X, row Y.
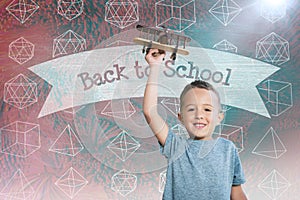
column 156, row 32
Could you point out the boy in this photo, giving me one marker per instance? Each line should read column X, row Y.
column 199, row 168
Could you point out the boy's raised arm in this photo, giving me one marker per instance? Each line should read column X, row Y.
column 155, row 121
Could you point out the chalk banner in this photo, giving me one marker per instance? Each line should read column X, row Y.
column 121, row 72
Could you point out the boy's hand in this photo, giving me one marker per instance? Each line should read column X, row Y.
column 155, row 56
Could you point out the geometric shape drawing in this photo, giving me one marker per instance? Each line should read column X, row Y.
column 17, row 188
column 123, row 146
column 225, row 108
column 273, row 11
column 232, row 133
column 22, row 9
column 274, row 185
column 121, row 13
column 71, row 182
column 72, row 111
column 69, row 113
column 67, row 143
column 224, row 45
column 175, row 15
column 123, row 182
column 20, row 92
column 270, row 145
column 172, row 105
column 20, row 139
column 225, row 11
column 70, row 9
column 119, row 43
column 122, row 109
column 278, row 96
column 21, row 50
column 162, row 180
column 180, row 130
column 68, row 43
column 273, row 48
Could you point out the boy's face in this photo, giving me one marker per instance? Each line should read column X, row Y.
column 200, row 113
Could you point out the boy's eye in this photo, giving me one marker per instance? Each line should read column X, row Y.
column 191, row 109
column 208, row 109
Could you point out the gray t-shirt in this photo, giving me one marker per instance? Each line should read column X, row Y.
column 201, row 169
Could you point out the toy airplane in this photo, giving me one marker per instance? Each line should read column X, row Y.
column 162, row 39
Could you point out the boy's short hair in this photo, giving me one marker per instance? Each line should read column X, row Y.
column 202, row 85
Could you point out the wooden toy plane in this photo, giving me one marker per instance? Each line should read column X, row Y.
column 162, row 39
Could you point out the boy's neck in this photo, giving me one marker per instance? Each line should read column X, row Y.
column 201, row 138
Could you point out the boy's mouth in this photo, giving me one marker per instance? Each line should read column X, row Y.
column 199, row 125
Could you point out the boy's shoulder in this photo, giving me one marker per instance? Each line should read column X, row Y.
column 224, row 140
column 226, row 143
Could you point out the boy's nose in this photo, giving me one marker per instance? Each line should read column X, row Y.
column 199, row 114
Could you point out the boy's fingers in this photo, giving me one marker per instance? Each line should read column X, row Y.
column 155, row 52
column 151, row 51
column 160, row 51
column 155, row 55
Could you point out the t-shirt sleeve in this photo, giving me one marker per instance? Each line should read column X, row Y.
column 174, row 146
column 238, row 177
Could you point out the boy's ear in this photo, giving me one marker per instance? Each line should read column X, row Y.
column 179, row 117
column 220, row 117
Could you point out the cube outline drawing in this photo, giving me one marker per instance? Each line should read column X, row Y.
column 236, row 130
column 15, row 128
column 160, row 23
column 269, row 98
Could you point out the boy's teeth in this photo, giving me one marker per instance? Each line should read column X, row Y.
column 200, row 125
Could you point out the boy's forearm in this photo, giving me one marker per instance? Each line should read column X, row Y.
column 151, row 94
column 241, row 197
column 156, row 123
column 237, row 193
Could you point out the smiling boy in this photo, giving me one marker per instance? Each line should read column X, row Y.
column 199, row 167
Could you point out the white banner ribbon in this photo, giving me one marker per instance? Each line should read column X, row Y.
column 121, row 72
